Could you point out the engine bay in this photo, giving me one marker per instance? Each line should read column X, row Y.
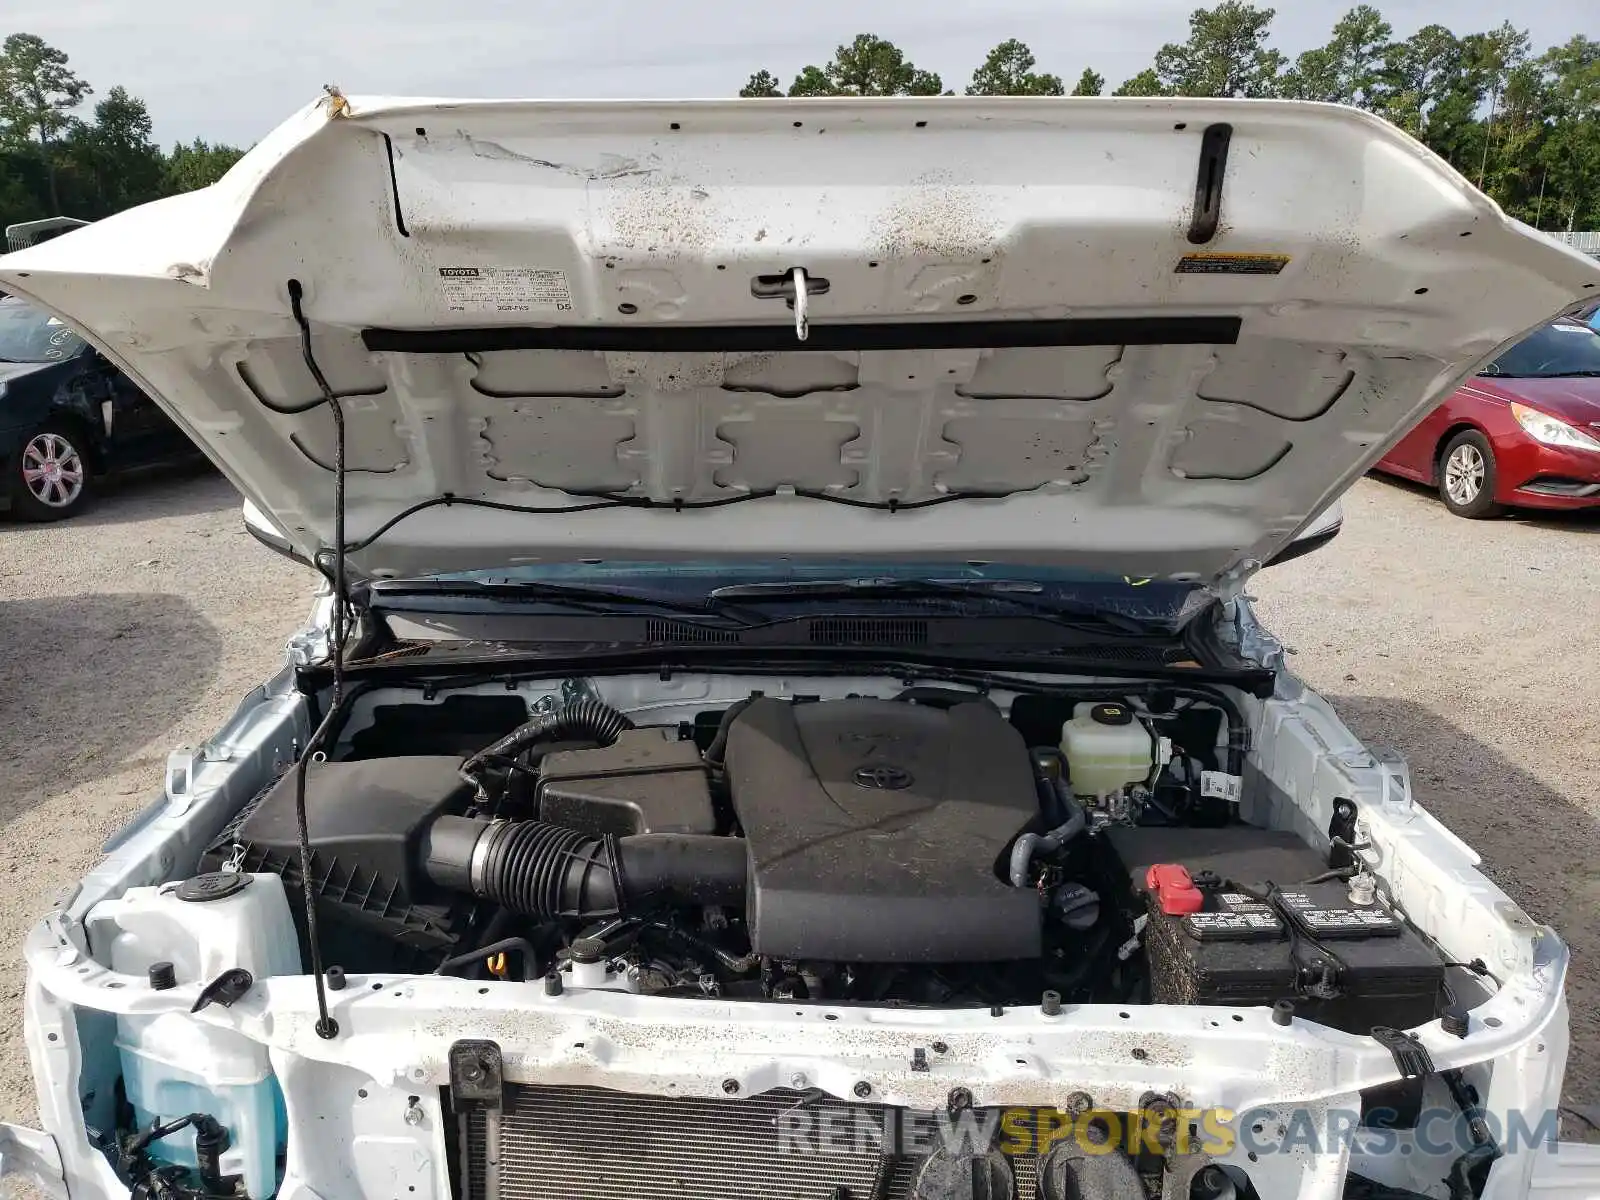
column 932, row 847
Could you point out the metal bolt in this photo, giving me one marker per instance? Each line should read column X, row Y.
column 958, row 1099
column 1155, row 1104
column 1364, row 889
column 731, row 1086
column 1078, row 1103
column 1050, row 1004
column 472, row 1072
column 919, row 1059
column 1455, row 1022
column 798, row 1081
column 414, row 1115
column 940, row 1048
column 1141, row 1053
column 863, row 1089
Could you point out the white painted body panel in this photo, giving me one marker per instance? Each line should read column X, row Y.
column 1394, row 279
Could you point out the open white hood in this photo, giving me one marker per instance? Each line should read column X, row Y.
column 1097, row 332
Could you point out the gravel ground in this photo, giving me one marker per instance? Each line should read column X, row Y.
column 137, row 627
column 127, row 631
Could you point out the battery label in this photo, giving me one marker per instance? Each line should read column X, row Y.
column 1236, row 918
column 1341, row 921
column 1239, row 902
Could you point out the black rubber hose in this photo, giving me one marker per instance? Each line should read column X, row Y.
column 587, row 719
column 551, row 873
column 680, row 870
column 528, row 968
column 718, row 748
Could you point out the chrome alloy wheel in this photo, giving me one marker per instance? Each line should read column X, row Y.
column 1464, row 473
column 52, row 469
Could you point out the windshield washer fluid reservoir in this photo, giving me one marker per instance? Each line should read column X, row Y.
column 174, row 1064
column 1106, row 748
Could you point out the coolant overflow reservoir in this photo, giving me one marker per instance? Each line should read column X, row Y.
column 1106, row 748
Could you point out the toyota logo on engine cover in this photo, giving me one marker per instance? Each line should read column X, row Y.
column 886, row 779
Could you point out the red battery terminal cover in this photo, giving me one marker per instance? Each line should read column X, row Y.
column 1174, row 889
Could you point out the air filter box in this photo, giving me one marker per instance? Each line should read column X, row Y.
column 647, row 781
column 1241, row 949
column 364, row 819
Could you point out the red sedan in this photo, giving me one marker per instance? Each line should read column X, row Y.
column 1524, row 433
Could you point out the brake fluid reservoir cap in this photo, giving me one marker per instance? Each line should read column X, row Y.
column 213, row 885
column 1111, row 714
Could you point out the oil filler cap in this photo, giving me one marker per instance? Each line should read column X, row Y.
column 213, row 885
column 1174, row 889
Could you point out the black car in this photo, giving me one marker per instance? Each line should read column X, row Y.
column 67, row 416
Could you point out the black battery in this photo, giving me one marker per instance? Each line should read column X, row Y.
column 1265, row 934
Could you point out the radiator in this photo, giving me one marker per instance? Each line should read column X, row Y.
column 579, row 1143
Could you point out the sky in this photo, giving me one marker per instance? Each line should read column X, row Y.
column 231, row 71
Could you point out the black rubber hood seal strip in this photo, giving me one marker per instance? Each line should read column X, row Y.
column 901, row 335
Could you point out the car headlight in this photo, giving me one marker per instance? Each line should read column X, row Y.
column 1542, row 427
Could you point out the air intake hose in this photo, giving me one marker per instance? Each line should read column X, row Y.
column 549, row 872
column 586, row 720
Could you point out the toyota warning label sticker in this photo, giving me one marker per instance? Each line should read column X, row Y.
column 1215, row 262
column 504, row 289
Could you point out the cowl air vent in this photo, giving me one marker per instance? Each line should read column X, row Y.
column 1162, row 655
column 684, row 633
column 868, row 631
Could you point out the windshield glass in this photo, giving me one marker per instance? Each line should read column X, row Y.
column 1560, row 348
column 1158, row 602
column 30, row 336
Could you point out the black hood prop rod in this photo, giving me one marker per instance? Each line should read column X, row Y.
column 327, row 1028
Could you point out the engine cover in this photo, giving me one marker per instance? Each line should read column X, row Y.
column 875, row 828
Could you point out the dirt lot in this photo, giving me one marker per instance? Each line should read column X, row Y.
column 1471, row 647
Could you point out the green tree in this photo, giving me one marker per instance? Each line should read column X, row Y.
column 762, row 83
column 1008, row 71
column 1145, row 83
column 24, row 183
column 1512, row 167
column 199, row 164
column 38, row 92
column 1226, row 54
column 1490, row 60
column 1090, row 83
column 1571, row 151
column 1349, row 69
column 113, row 161
column 867, row 66
column 812, row 81
column 1418, row 74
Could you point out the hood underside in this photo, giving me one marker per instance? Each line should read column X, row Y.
column 1147, row 336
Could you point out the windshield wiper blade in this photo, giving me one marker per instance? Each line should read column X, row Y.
column 584, row 597
column 1588, row 374
column 1021, row 594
